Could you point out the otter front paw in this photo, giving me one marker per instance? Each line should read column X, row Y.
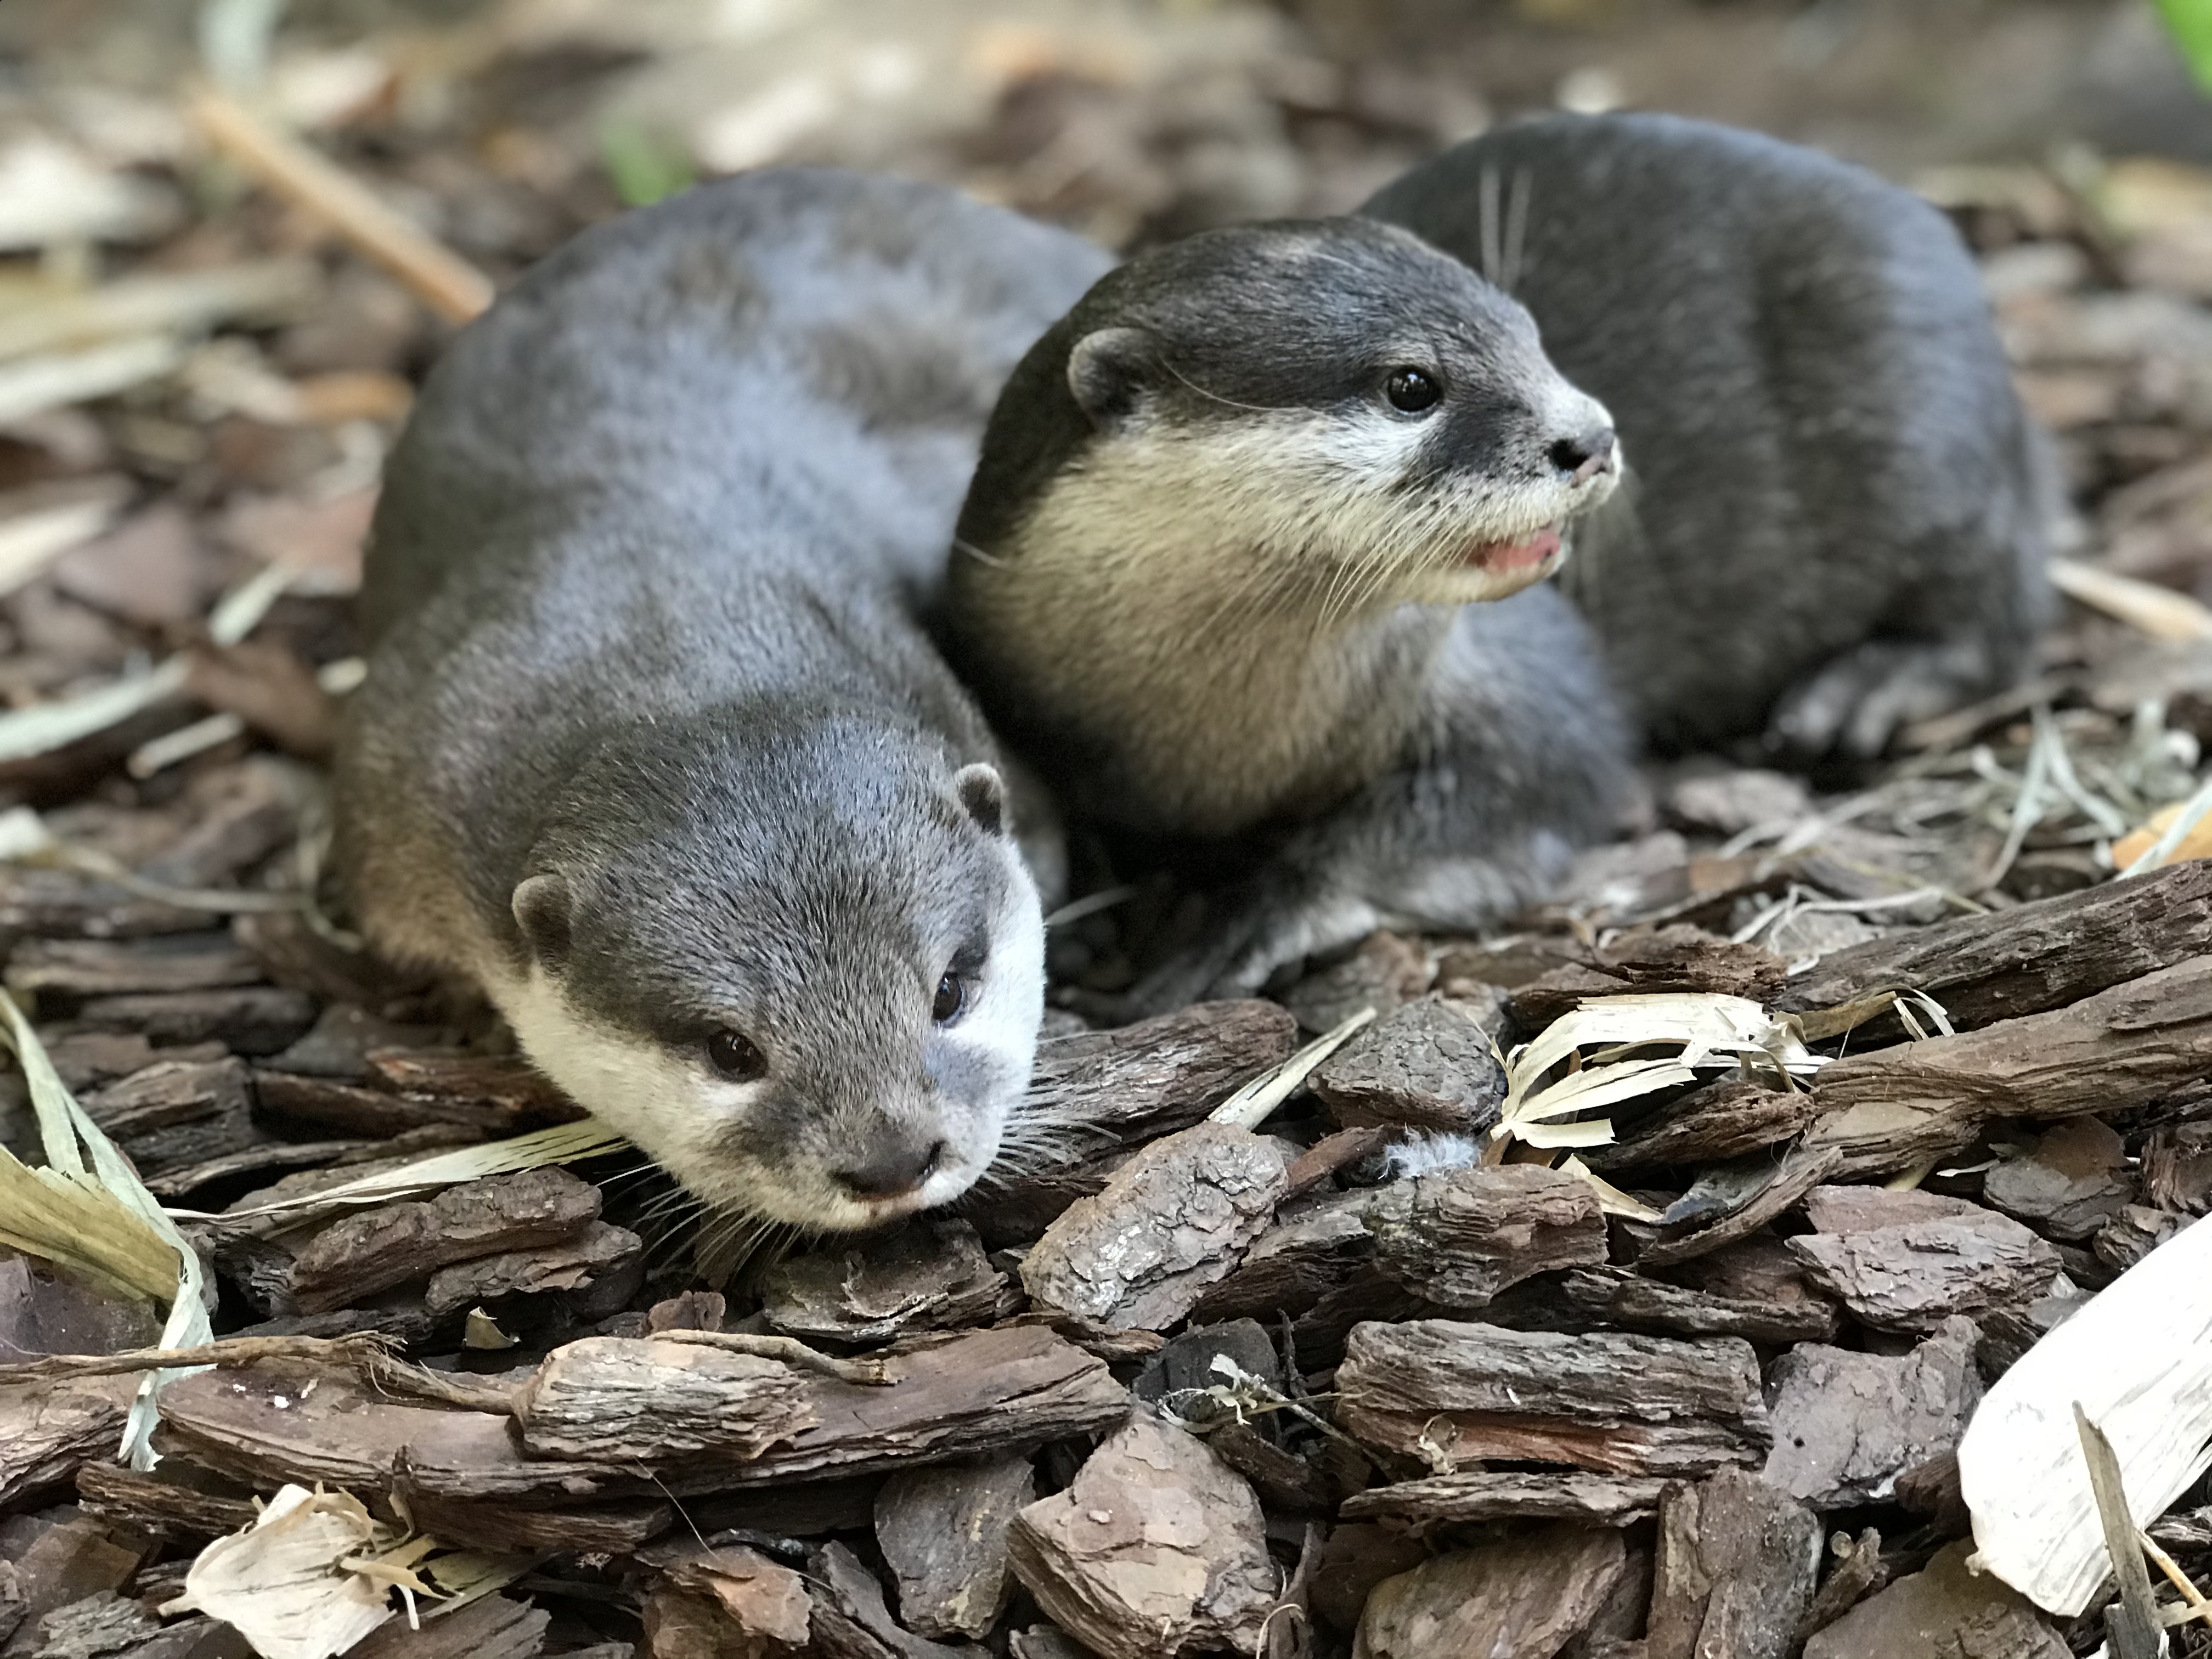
column 1855, row 704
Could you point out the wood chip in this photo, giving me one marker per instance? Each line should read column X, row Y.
column 489, row 1627
column 1520, row 1598
column 1477, row 1495
column 1848, row 1425
column 2068, row 1184
column 611, row 1399
column 1911, row 1277
column 926, row 1276
column 357, row 1255
column 159, row 1503
column 1896, row 1108
column 1721, row 1120
column 1385, row 972
column 1156, row 1549
column 2031, row 958
column 1425, row 1065
column 1942, row 1611
column 47, row 1434
column 1458, row 1239
column 598, row 1270
column 1734, row 1570
column 1618, row 1297
column 1452, row 1394
column 1175, row 1218
column 943, row 1532
column 1678, row 958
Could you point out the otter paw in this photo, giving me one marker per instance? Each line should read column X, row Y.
column 1855, row 704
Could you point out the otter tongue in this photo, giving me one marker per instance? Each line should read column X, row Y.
column 1517, row 556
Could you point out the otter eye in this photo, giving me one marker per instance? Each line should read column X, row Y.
column 1410, row 390
column 736, row 1056
column 951, row 997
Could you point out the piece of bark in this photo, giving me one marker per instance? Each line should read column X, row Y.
column 1861, row 1209
column 2133, row 1233
column 848, row 1594
column 161, row 1505
column 760, row 1609
column 611, row 1399
column 1894, row 1108
column 1452, row 1394
column 1734, row 1571
column 516, row 1089
column 930, row 1275
column 1667, row 1246
column 1356, row 1557
column 61, row 1559
column 1157, row 1549
column 2071, row 1182
column 2029, row 959
column 105, row 1626
column 1286, row 1482
column 357, row 1255
column 61, row 973
column 1521, row 1598
column 1618, row 1297
column 682, row 1624
column 615, row 1529
column 1942, row 1611
column 320, row 1103
column 1182, row 1368
column 993, row 1391
column 251, row 1020
column 2176, row 1168
column 167, row 1093
column 1857, row 1573
column 1847, row 1425
column 1423, row 1506
column 48, row 1432
column 1459, row 1239
column 1759, row 1268
column 943, row 1532
column 489, row 1627
column 1095, row 1094
column 1425, row 1065
column 1385, row 972
column 1311, row 1250
column 600, row 1269
column 1721, row 1119
column 1174, row 1219
column 1913, row 1277
column 85, row 1060
column 1671, row 959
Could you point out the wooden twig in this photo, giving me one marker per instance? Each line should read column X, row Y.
column 2131, row 1624
column 440, row 278
column 873, row 1373
column 366, row 1354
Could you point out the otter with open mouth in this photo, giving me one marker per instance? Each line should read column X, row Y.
column 1218, row 571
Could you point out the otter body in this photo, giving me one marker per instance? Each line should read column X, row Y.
column 652, row 747
column 1214, row 572
column 1838, row 513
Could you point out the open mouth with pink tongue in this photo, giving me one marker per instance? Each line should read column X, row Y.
column 1515, row 556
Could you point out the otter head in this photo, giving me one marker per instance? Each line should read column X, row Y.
column 798, row 963
column 1332, row 407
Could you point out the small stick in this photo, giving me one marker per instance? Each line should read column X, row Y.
column 2132, row 1623
column 872, row 1373
column 440, row 278
column 2198, row 1607
column 367, row 1353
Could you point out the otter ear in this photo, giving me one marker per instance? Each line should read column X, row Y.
column 983, row 792
column 542, row 909
column 1108, row 368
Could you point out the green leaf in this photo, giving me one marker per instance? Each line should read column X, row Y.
column 644, row 165
column 2190, row 21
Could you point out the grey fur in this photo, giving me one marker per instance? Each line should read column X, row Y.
column 1427, row 763
column 1841, row 517
column 639, row 594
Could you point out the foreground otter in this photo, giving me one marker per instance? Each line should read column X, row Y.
column 651, row 749
column 1227, row 506
column 1838, row 513
column 1213, row 577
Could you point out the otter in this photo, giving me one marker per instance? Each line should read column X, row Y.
column 1250, row 564
column 1837, row 516
column 653, row 748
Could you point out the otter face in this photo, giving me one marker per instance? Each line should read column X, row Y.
column 1355, row 411
column 815, row 999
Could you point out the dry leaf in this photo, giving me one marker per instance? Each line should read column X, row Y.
column 281, row 1582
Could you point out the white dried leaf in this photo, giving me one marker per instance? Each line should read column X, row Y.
column 280, row 1584
column 2138, row 1361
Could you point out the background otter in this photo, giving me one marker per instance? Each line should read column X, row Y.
column 1838, row 513
column 1217, row 560
column 651, row 749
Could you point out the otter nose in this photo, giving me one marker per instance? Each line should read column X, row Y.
column 894, row 1165
column 1585, row 455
